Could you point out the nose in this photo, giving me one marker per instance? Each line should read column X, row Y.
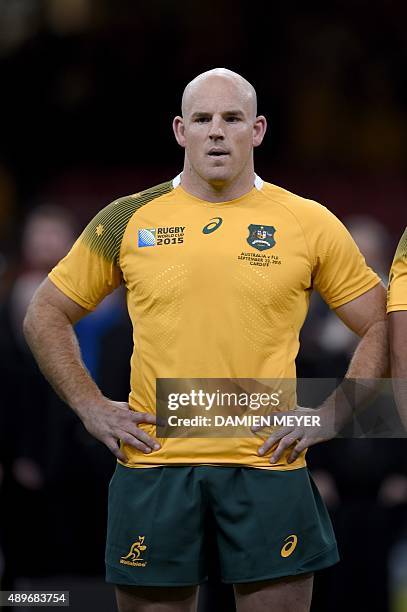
column 216, row 130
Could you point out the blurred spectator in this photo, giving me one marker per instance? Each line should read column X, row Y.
column 48, row 234
column 44, row 446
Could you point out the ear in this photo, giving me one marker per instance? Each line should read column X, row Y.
column 259, row 129
column 179, row 130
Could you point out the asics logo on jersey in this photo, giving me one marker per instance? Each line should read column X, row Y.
column 289, row 546
column 212, row 225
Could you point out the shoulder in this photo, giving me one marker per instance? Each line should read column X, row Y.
column 308, row 213
column 105, row 231
column 120, row 210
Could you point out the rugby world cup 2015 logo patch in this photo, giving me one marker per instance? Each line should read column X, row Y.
column 160, row 236
column 146, row 237
column 261, row 237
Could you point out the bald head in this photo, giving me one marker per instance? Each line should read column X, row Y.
column 215, row 79
column 219, row 130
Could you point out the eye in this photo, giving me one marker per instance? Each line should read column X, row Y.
column 201, row 119
column 233, row 119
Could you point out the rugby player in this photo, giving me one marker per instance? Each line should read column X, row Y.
column 219, row 267
column 397, row 309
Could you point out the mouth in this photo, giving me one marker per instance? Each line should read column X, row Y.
column 218, row 153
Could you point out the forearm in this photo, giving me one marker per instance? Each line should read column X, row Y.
column 51, row 338
column 371, row 358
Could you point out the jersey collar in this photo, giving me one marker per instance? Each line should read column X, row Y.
column 258, row 182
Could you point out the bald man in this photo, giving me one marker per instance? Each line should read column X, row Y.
column 219, row 267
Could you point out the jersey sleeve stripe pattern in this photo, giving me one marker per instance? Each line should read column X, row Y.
column 401, row 252
column 104, row 233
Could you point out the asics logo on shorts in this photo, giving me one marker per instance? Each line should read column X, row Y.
column 289, row 546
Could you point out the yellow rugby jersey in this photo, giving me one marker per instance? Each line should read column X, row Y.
column 397, row 290
column 214, row 290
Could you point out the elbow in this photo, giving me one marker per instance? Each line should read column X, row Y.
column 378, row 328
column 31, row 321
column 28, row 323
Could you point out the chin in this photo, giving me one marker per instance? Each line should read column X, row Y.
column 218, row 176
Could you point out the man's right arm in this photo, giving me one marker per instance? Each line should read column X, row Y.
column 48, row 329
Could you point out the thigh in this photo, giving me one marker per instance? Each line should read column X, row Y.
column 155, row 528
column 292, row 594
column 156, row 599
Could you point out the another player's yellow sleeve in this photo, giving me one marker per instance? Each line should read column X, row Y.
column 397, row 290
column 340, row 271
column 90, row 270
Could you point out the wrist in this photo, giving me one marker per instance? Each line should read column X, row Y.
column 84, row 407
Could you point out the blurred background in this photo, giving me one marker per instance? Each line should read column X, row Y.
column 89, row 90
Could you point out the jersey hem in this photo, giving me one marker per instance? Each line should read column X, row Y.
column 279, row 468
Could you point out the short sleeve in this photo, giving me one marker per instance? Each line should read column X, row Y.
column 340, row 272
column 397, row 289
column 90, row 270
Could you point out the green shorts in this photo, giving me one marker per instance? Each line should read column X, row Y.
column 266, row 524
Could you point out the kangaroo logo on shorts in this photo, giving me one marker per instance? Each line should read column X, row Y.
column 289, row 546
column 134, row 557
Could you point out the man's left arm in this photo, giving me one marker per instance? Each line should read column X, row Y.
column 366, row 316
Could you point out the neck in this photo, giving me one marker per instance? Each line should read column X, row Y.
column 217, row 191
